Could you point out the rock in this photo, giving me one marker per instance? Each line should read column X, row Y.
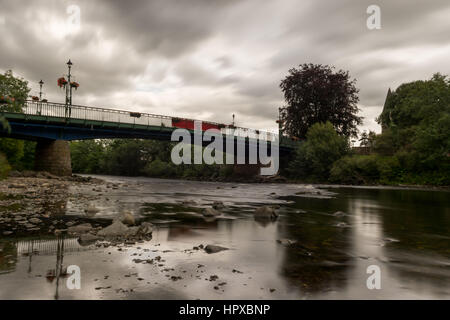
column 91, row 210
column 7, row 233
column 339, row 214
column 17, row 185
column 87, row 238
column 210, row 212
column 286, row 242
column 128, row 218
column 81, row 228
column 265, row 212
column 210, row 248
column 213, row 277
column 132, row 231
column 342, row 225
column 146, row 228
column 35, row 220
column 116, row 229
column 218, row 205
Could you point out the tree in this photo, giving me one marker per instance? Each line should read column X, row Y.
column 314, row 93
column 416, row 118
column 88, row 156
column 13, row 93
column 416, row 102
column 315, row 156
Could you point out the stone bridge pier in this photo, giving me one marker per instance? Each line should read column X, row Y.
column 53, row 156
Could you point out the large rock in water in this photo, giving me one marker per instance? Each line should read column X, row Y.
column 116, row 229
column 87, row 238
column 211, row 212
column 265, row 213
column 128, row 218
column 146, row 228
column 210, row 248
column 80, row 229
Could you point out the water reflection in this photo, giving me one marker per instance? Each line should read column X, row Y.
column 405, row 232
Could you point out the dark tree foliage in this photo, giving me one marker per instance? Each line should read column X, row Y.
column 315, row 93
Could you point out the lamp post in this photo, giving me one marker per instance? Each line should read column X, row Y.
column 69, row 86
column 41, row 83
column 39, row 111
column 69, row 90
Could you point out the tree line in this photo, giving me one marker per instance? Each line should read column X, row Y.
column 320, row 111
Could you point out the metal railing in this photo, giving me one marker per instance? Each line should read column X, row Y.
column 60, row 110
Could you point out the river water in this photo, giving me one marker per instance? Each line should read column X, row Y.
column 403, row 232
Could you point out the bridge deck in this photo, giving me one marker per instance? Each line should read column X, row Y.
column 106, row 123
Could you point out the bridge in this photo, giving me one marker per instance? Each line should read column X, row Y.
column 52, row 125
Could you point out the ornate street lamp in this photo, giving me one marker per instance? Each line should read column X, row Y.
column 68, row 85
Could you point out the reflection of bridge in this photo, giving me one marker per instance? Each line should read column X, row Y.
column 49, row 123
column 49, row 246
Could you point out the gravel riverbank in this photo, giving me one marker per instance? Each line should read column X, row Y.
column 36, row 204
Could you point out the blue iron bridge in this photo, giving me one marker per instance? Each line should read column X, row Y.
column 56, row 121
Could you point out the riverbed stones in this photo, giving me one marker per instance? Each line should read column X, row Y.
column 211, row 248
column 35, row 220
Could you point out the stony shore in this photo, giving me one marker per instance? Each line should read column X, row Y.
column 35, row 203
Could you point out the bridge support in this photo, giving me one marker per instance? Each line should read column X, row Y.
column 53, row 156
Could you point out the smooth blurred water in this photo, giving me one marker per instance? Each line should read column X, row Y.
column 404, row 232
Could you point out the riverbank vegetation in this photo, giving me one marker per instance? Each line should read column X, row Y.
column 138, row 158
column 413, row 148
column 14, row 153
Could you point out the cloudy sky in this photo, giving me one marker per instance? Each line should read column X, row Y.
column 208, row 59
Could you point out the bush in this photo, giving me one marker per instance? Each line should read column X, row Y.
column 355, row 170
column 389, row 169
column 13, row 149
column 4, row 167
column 314, row 158
column 158, row 168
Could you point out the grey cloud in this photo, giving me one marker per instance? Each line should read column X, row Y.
column 231, row 55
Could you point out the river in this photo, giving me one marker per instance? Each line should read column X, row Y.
column 404, row 232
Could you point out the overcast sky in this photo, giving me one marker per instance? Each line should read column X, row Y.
column 208, row 59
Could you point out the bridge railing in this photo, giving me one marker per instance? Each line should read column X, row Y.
column 51, row 109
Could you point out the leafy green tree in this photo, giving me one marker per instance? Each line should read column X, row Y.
column 4, row 167
column 416, row 121
column 13, row 93
column 315, row 156
column 315, row 93
column 88, row 156
column 12, row 149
